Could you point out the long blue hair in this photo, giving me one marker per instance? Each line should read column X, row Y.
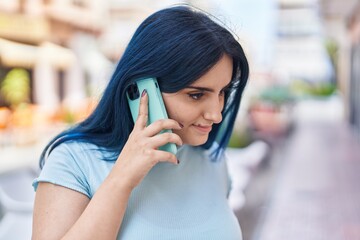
column 176, row 45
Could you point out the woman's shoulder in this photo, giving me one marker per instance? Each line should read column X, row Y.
column 72, row 164
column 75, row 145
column 76, row 151
column 78, row 146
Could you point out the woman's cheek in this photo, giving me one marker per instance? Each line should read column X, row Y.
column 175, row 114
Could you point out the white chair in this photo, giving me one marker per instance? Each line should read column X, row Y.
column 241, row 163
column 16, row 204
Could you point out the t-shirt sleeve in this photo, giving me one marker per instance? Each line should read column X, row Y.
column 65, row 167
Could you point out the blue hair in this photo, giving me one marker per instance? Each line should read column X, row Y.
column 176, row 45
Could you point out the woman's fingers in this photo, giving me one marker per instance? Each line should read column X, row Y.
column 143, row 117
column 162, row 156
column 143, row 111
column 160, row 125
column 164, row 138
column 152, row 131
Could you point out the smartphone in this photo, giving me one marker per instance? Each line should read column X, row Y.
column 156, row 105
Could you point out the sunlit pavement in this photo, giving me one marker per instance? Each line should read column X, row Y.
column 314, row 187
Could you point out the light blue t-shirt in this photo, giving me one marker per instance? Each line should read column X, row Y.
column 186, row 201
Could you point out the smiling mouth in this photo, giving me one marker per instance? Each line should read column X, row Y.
column 203, row 129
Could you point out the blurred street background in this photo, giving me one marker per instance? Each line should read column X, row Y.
column 294, row 155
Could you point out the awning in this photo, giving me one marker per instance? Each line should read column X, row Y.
column 15, row 54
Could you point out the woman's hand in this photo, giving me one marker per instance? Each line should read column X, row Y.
column 140, row 152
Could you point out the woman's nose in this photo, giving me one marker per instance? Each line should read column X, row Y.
column 213, row 112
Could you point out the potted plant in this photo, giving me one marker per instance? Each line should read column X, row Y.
column 15, row 90
column 270, row 111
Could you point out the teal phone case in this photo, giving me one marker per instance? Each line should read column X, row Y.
column 156, row 106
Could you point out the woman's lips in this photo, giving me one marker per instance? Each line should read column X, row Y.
column 203, row 129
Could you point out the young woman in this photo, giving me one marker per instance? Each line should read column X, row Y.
column 105, row 178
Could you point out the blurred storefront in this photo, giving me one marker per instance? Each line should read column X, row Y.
column 37, row 36
column 342, row 24
column 301, row 54
column 42, row 78
column 354, row 96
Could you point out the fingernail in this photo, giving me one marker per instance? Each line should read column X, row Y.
column 143, row 93
column 181, row 125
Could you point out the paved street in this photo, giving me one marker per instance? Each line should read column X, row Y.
column 312, row 191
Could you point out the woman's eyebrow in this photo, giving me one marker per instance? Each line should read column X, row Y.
column 205, row 89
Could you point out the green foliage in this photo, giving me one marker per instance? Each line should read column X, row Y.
column 69, row 117
column 240, row 138
column 15, row 88
column 319, row 89
column 332, row 49
column 276, row 95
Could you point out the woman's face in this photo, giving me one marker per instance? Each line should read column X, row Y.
column 198, row 106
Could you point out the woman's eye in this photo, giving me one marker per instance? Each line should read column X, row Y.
column 196, row 96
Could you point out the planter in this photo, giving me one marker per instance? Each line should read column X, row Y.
column 273, row 120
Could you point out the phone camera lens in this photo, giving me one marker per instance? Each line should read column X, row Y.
column 133, row 91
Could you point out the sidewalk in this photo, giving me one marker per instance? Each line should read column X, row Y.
column 316, row 193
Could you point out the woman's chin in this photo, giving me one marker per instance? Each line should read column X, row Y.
column 197, row 142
